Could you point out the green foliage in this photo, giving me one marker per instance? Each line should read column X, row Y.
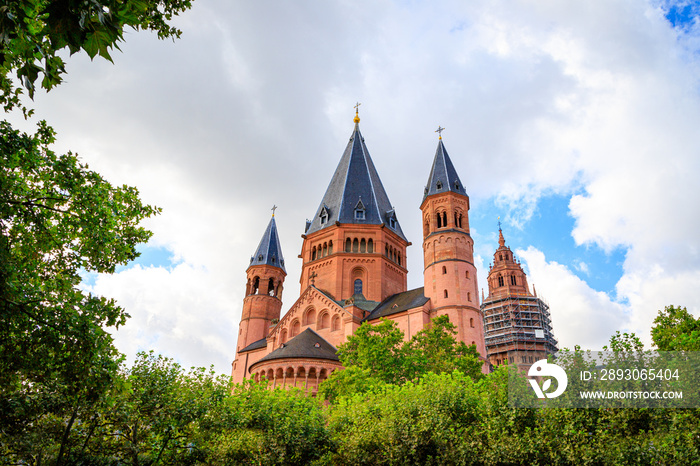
column 57, row 219
column 432, row 421
column 675, row 329
column 380, row 349
column 376, row 355
column 256, row 425
column 33, row 32
column 625, row 342
column 436, row 350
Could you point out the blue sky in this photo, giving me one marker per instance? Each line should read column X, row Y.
column 575, row 122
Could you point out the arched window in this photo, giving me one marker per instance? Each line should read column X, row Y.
column 283, row 336
column 500, row 280
column 310, row 316
column 399, row 257
column 445, row 293
column 467, row 274
column 386, row 250
column 370, row 245
column 313, row 254
column 355, row 245
column 358, row 286
column 444, row 219
column 471, row 322
column 324, row 321
column 426, row 229
column 271, row 287
column 363, row 245
column 330, row 247
column 295, row 327
column 512, row 280
column 444, row 270
column 348, row 245
column 439, row 220
column 335, row 325
column 395, row 260
column 469, row 296
column 256, row 285
column 325, row 249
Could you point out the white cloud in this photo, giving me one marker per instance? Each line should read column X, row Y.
column 183, row 313
column 580, row 315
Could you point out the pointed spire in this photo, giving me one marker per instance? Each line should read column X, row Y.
column 443, row 176
column 269, row 250
column 355, row 193
column 501, row 239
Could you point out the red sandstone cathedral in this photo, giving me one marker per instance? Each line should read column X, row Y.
column 354, row 271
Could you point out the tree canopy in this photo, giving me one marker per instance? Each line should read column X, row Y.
column 33, row 32
column 59, row 220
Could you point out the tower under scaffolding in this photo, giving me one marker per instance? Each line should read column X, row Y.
column 517, row 324
column 517, row 329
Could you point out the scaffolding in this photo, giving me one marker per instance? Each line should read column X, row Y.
column 517, row 328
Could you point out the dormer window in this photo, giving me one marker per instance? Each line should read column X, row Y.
column 260, row 258
column 391, row 218
column 457, row 185
column 324, row 215
column 439, row 184
column 359, row 210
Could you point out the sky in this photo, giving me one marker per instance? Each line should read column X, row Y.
column 574, row 122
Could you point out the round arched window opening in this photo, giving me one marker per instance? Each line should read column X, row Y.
column 358, row 286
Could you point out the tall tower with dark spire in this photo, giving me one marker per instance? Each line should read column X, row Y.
column 265, row 279
column 448, row 250
column 517, row 324
column 354, row 245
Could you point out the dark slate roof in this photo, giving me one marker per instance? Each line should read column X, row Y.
column 269, row 250
column 359, row 300
column 262, row 343
column 443, row 174
column 304, row 346
column 355, row 184
column 398, row 303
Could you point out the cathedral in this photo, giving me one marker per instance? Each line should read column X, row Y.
column 354, row 271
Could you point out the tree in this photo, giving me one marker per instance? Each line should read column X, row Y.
column 440, row 352
column 58, row 219
column 32, row 32
column 381, row 350
column 377, row 355
column 675, row 329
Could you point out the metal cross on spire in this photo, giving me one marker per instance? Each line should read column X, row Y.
column 439, row 131
column 274, row 207
column 357, row 113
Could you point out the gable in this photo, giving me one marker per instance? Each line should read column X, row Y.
column 313, row 310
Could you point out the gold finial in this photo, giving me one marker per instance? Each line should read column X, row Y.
column 357, row 113
column 439, row 131
column 274, row 207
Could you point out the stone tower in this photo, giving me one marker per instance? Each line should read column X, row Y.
column 263, row 301
column 448, row 251
column 517, row 323
column 354, row 244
